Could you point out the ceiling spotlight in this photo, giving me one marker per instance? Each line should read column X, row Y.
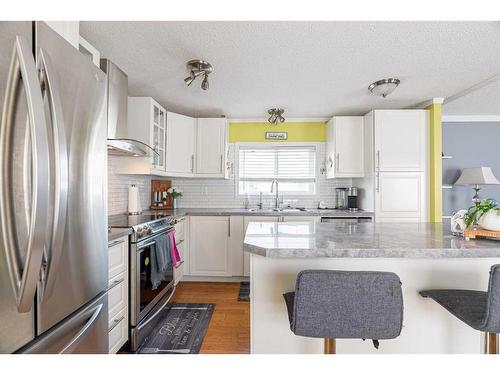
column 192, row 77
column 197, row 68
column 384, row 87
column 204, row 83
column 276, row 115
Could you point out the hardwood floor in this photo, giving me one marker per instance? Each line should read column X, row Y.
column 229, row 329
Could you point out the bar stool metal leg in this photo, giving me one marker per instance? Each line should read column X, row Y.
column 490, row 343
column 330, row 347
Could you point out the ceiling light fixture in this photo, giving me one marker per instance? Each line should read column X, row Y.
column 384, row 87
column 197, row 68
column 204, row 83
column 276, row 115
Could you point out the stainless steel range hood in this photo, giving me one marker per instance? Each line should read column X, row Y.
column 118, row 141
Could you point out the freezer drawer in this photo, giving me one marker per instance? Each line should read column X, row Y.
column 85, row 332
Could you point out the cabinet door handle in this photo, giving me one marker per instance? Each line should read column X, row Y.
column 115, row 283
column 229, row 226
column 330, row 161
column 338, row 161
column 192, row 163
column 378, row 159
column 378, row 182
column 221, row 159
column 115, row 323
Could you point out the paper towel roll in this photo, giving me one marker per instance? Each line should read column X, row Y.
column 134, row 205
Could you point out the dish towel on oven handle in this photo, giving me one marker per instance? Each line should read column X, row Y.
column 160, row 260
column 174, row 252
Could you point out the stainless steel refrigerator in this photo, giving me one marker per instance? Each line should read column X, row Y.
column 53, row 195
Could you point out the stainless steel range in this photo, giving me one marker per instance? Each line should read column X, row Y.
column 146, row 302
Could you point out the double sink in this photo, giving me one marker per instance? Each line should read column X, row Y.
column 278, row 210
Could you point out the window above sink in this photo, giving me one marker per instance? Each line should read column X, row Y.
column 294, row 167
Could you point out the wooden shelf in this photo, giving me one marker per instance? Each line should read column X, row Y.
column 447, row 186
column 446, row 157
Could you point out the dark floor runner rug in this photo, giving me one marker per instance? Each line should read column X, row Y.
column 180, row 331
column 244, row 294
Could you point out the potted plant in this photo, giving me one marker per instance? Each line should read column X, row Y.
column 173, row 194
column 486, row 214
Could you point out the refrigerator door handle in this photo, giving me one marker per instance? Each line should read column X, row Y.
column 81, row 333
column 24, row 277
column 50, row 88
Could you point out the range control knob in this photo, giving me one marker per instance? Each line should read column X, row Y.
column 148, row 230
column 140, row 232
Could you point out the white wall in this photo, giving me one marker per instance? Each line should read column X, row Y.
column 200, row 193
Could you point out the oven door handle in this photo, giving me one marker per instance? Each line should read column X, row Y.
column 149, row 243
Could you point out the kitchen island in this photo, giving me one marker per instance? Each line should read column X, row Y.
column 424, row 256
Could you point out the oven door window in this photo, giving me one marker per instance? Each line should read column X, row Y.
column 146, row 291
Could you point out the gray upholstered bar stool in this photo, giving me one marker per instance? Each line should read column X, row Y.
column 478, row 309
column 345, row 305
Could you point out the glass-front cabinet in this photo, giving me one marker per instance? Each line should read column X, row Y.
column 147, row 122
column 159, row 137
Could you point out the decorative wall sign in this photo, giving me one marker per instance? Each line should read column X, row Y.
column 282, row 136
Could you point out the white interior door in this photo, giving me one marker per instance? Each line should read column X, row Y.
column 400, row 140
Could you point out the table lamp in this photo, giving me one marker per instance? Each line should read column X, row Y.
column 477, row 176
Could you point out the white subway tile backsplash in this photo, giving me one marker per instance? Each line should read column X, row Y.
column 202, row 192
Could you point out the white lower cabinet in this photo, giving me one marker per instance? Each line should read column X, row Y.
column 209, row 253
column 216, row 243
column 118, row 293
column 401, row 196
column 246, row 256
column 236, row 238
column 180, row 242
column 118, row 332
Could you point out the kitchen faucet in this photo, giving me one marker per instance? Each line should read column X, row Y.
column 276, row 199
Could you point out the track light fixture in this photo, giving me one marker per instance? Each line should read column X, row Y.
column 276, row 115
column 197, row 68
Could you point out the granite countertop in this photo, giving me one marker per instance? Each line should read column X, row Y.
column 362, row 240
column 116, row 233
column 180, row 212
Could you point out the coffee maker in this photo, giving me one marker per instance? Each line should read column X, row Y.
column 352, row 198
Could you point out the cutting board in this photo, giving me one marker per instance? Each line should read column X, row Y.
column 473, row 233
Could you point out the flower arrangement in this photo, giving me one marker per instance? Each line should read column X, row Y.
column 485, row 207
column 174, row 193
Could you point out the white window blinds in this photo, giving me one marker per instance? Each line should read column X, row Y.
column 293, row 167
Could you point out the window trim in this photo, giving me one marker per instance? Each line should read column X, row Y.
column 265, row 145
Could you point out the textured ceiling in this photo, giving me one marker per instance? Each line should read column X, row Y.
column 484, row 101
column 312, row 69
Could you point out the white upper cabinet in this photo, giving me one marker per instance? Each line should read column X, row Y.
column 397, row 164
column 401, row 140
column 147, row 121
column 211, row 147
column 344, row 148
column 185, row 146
column 181, row 142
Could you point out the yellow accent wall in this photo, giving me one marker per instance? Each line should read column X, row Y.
column 297, row 131
column 436, row 163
